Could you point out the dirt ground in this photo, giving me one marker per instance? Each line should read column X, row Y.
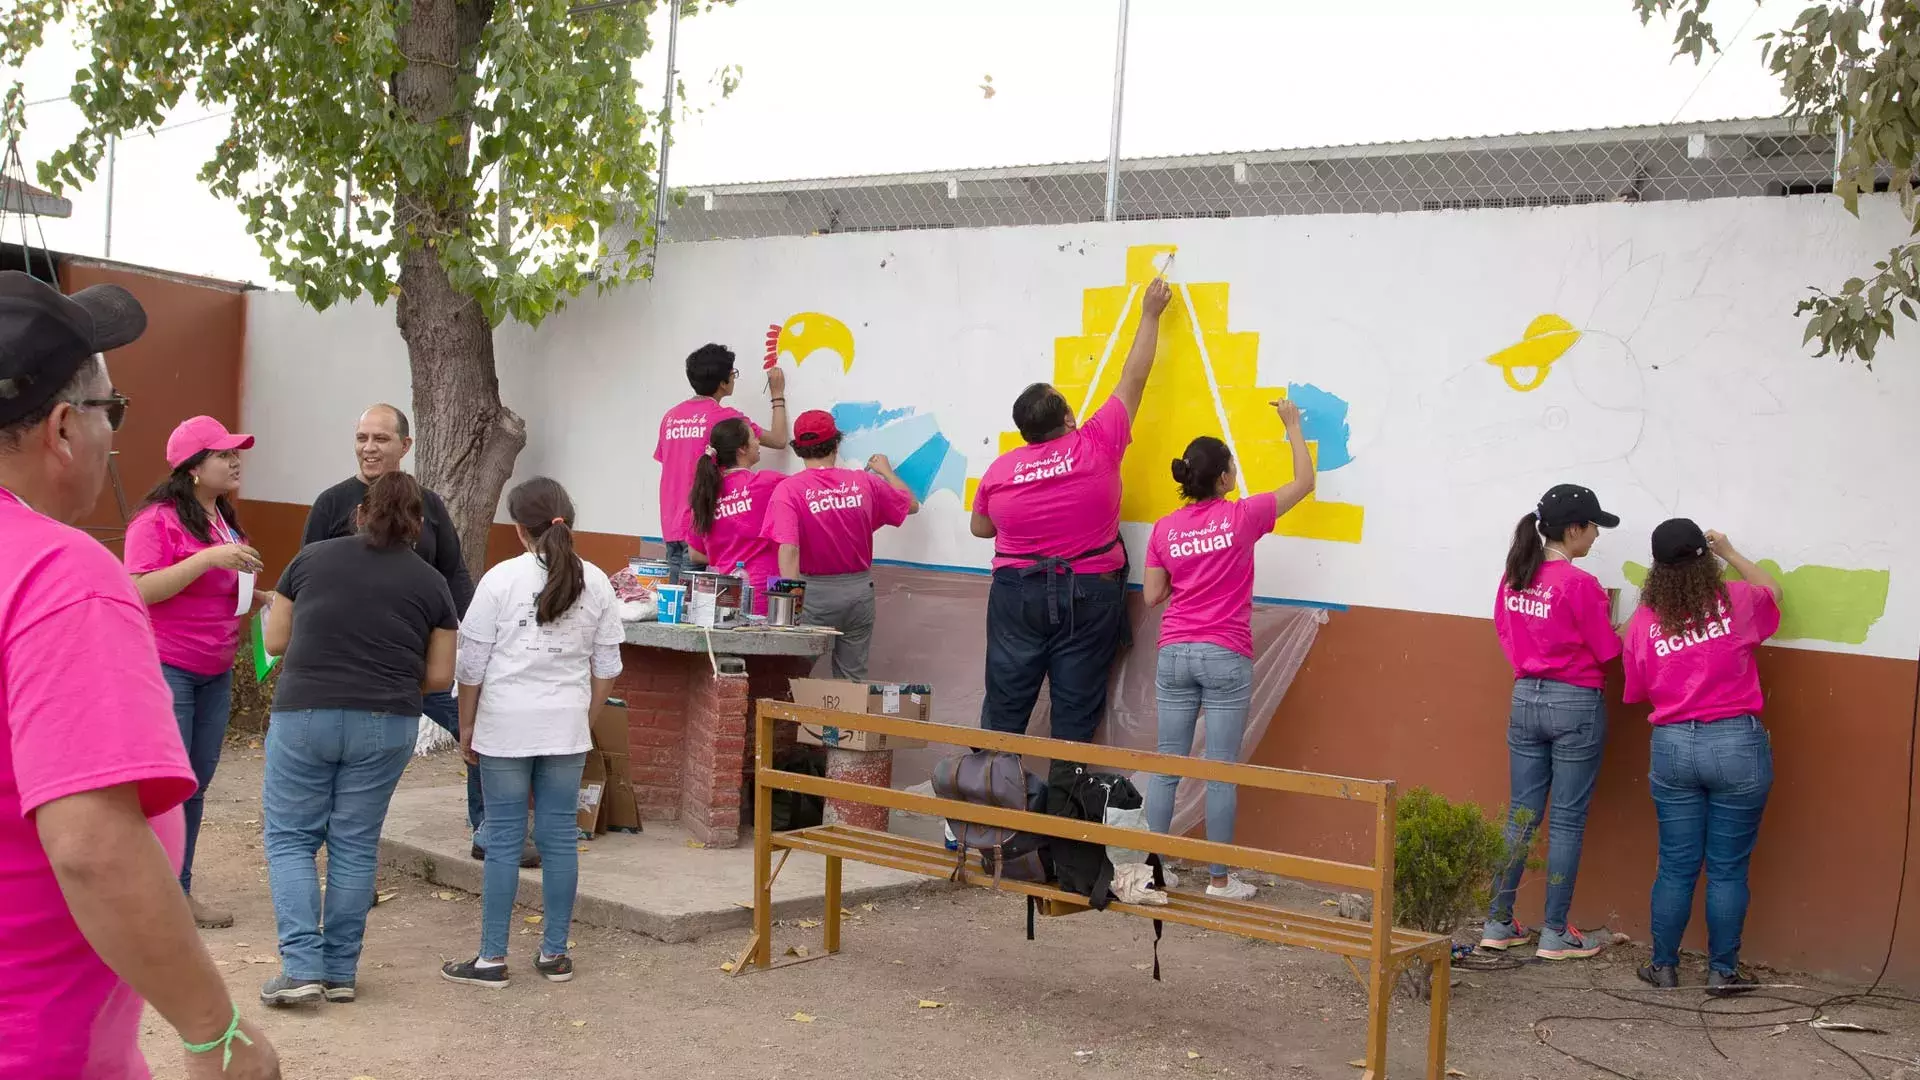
column 1079, row 1000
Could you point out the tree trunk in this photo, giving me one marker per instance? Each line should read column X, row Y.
column 465, row 439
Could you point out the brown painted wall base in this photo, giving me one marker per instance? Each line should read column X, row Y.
column 1422, row 700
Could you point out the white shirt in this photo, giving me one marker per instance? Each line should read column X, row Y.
column 536, row 690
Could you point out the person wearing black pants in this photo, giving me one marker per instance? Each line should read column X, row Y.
column 1057, row 606
column 380, row 443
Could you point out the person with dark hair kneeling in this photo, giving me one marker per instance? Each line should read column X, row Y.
column 187, row 554
column 366, row 626
column 1690, row 653
column 1202, row 557
column 729, row 506
column 824, row 518
column 1554, row 625
column 1057, row 608
column 539, row 650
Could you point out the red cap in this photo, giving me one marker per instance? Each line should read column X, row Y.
column 202, row 433
column 813, row 427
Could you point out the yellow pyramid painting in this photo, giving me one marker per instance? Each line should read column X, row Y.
column 1205, row 374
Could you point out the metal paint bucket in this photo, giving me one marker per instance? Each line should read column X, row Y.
column 785, row 598
column 713, row 599
column 650, row 573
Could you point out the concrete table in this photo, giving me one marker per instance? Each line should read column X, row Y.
column 689, row 694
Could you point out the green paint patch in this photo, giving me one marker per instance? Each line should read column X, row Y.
column 1820, row 603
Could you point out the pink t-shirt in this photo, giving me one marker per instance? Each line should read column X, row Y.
column 832, row 515
column 82, row 707
column 1702, row 673
column 1207, row 551
column 195, row 628
column 1558, row 628
column 745, row 495
column 684, row 432
column 1062, row 497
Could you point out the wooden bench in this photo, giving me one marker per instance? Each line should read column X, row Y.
column 1385, row 949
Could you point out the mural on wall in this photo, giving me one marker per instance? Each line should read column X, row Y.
column 922, row 457
column 1204, row 382
column 807, row 333
column 1818, row 603
column 1547, row 338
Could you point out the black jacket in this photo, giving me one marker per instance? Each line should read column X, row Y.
column 332, row 516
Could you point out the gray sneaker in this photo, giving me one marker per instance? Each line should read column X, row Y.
column 281, row 990
column 1568, row 944
column 1501, row 936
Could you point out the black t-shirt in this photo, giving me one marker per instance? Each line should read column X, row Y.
column 361, row 619
column 439, row 544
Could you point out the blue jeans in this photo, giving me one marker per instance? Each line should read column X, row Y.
column 330, row 775
column 1555, row 734
column 1189, row 677
column 1066, row 630
column 443, row 708
column 201, row 705
column 679, row 560
column 554, row 784
column 1709, row 781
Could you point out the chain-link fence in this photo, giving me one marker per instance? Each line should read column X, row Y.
column 1706, row 160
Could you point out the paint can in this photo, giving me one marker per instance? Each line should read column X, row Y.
column 785, row 599
column 713, row 599
column 650, row 573
column 669, row 602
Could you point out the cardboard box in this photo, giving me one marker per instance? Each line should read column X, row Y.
column 593, row 788
column 610, row 734
column 620, row 807
column 908, row 701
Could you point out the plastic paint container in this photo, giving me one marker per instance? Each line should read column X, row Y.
column 669, row 602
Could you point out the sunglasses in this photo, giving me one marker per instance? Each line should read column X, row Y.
column 115, row 406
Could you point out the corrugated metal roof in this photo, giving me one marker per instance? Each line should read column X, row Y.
column 1755, row 127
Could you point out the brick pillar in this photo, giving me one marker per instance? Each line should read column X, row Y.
column 716, row 738
column 654, row 684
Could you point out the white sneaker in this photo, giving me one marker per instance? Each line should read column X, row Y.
column 1234, row 889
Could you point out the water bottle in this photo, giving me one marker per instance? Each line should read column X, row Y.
column 953, row 842
column 746, row 590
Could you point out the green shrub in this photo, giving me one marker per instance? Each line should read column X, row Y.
column 1444, row 858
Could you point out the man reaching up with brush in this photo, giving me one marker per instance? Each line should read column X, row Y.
column 1057, row 608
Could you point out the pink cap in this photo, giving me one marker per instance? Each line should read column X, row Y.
column 202, row 433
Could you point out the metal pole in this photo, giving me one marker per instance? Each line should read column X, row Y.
column 666, row 130
column 113, row 144
column 1119, row 89
column 1839, row 147
column 504, row 224
column 346, row 210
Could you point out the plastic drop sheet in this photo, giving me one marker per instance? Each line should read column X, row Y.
column 930, row 627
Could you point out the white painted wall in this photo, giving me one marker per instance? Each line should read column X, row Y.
column 1689, row 392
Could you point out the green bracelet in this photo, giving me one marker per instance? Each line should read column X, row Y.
column 223, row 1043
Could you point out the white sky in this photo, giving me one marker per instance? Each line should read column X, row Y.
column 844, row 87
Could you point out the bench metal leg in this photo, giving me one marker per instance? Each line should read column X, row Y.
column 1437, row 1016
column 833, row 904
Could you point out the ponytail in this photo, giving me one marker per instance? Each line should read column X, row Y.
column 729, row 438
column 541, row 508
column 1526, row 554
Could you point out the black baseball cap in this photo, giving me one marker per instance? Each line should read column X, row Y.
column 45, row 337
column 1571, row 504
column 1678, row 540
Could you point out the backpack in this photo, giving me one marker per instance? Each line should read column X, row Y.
column 995, row 778
column 1075, row 791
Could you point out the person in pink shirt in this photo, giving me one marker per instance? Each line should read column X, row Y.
column 1057, row 608
column 684, row 434
column 729, row 505
column 823, row 518
column 1690, row 650
column 93, row 925
column 1200, row 563
column 192, row 564
column 1554, row 624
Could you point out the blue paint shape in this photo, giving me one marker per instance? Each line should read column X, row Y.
column 1323, row 419
column 862, row 415
column 924, row 458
